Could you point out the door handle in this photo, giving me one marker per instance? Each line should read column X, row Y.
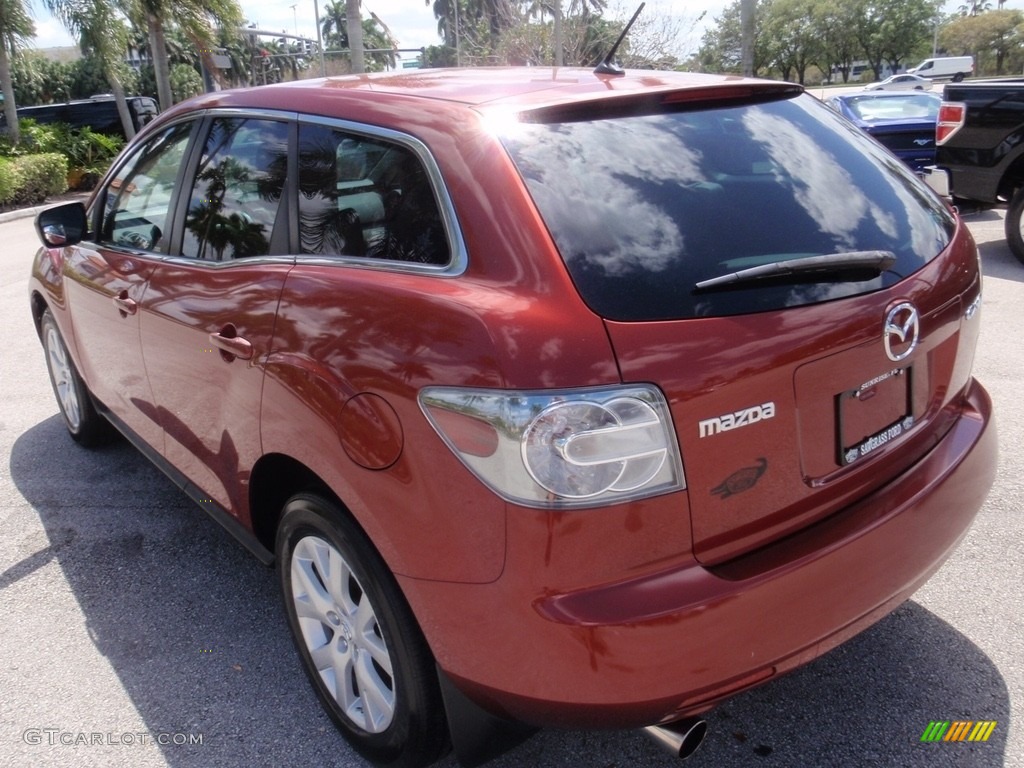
column 231, row 346
column 125, row 305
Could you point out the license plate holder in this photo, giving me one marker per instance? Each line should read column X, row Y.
column 873, row 414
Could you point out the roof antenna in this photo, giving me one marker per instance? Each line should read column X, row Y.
column 606, row 67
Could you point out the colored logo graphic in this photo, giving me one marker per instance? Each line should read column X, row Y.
column 958, row 730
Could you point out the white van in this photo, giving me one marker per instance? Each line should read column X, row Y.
column 954, row 68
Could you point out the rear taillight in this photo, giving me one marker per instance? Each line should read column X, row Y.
column 951, row 118
column 561, row 449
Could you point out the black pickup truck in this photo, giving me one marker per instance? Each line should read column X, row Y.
column 980, row 145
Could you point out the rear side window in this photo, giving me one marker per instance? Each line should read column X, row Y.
column 366, row 197
column 644, row 207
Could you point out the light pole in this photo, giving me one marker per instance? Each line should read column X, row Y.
column 295, row 16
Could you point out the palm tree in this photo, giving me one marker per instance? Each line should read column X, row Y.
column 354, row 24
column 375, row 36
column 240, row 53
column 16, row 29
column 447, row 14
column 497, row 14
column 102, row 31
column 194, row 18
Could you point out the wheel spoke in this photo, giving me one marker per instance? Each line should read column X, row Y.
column 309, row 594
column 339, row 582
column 63, row 378
column 323, row 658
column 365, row 627
column 378, row 698
column 345, row 693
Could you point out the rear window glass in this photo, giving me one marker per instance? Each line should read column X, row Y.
column 897, row 107
column 644, row 207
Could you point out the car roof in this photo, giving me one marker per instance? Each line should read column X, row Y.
column 515, row 88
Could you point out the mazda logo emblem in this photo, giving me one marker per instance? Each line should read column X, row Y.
column 901, row 331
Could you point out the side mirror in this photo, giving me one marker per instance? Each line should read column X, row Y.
column 62, row 225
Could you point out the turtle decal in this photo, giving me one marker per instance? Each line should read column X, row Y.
column 741, row 480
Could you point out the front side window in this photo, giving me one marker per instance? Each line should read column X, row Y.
column 236, row 196
column 366, row 197
column 138, row 198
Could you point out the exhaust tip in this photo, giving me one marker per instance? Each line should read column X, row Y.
column 681, row 738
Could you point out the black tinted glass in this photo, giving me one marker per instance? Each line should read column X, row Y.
column 642, row 208
column 237, row 192
column 368, row 198
column 136, row 202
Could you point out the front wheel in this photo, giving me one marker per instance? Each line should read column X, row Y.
column 1015, row 224
column 358, row 640
column 85, row 425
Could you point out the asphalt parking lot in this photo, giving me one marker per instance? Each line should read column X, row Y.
column 134, row 633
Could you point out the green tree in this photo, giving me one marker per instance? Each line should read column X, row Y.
column 37, row 80
column 354, row 27
column 836, row 23
column 185, row 82
column 907, row 25
column 795, row 38
column 376, row 38
column 101, row 31
column 16, row 29
column 722, row 44
column 447, row 13
column 890, row 30
column 195, row 19
column 994, row 34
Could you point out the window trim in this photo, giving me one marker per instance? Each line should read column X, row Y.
column 459, row 260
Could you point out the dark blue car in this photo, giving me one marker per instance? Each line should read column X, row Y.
column 903, row 122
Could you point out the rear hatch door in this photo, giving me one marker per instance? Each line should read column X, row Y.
column 751, row 256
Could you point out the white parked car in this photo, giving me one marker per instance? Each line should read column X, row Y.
column 901, row 83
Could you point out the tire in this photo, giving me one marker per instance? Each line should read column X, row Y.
column 85, row 425
column 958, row 77
column 1015, row 224
column 388, row 701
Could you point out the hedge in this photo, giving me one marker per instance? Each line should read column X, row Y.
column 8, row 180
column 30, row 179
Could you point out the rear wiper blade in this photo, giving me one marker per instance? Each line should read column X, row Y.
column 852, row 267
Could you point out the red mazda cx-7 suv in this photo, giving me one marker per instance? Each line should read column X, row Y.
column 557, row 397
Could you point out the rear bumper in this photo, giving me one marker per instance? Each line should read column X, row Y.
column 672, row 643
column 936, row 178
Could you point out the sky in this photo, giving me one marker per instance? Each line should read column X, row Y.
column 412, row 21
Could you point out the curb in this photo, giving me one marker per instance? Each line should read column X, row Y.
column 22, row 213
column 25, row 213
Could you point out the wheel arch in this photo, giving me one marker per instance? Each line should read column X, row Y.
column 1013, row 179
column 39, row 306
column 274, row 479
